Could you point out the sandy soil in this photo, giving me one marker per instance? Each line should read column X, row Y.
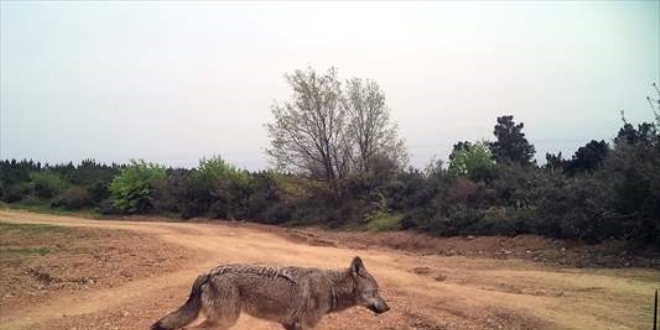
column 425, row 291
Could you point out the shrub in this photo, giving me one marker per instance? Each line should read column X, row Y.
column 513, row 184
column 98, row 192
column 226, row 186
column 276, row 213
column 384, row 221
column 46, row 184
column 632, row 172
column 216, row 169
column 267, row 201
column 174, row 192
column 73, row 198
column 16, row 192
column 107, row 207
column 133, row 189
column 472, row 161
column 503, row 221
column 381, row 218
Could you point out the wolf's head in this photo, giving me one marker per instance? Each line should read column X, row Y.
column 366, row 288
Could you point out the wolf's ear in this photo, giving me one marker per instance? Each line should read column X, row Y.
column 357, row 266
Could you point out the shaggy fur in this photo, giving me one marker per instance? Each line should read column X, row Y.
column 295, row 297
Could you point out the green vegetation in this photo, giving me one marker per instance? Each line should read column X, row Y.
column 471, row 160
column 47, row 207
column 605, row 191
column 42, row 250
column 382, row 221
column 133, row 189
column 30, row 229
column 46, row 184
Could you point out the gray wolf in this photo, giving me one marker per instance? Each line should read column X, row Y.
column 295, row 297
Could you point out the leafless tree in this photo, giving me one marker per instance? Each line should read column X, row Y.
column 373, row 134
column 328, row 134
column 655, row 105
column 309, row 130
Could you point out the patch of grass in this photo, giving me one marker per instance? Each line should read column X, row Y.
column 45, row 208
column 30, row 229
column 41, row 250
column 384, row 221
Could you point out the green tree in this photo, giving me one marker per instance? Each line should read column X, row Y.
column 46, row 184
column 555, row 162
column 458, row 147
column 228, row 186
column 133, row 189
column 511, row 145
column 216, row 169
column 471, row 160
column 588, row 157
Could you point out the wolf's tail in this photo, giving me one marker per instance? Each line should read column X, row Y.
column 187, row 313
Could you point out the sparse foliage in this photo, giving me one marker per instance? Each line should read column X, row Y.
column 309, row 133
column 328, row 133
column 370, row 129
column 655, row 105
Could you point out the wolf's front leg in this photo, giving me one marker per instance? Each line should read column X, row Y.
column 294, row 326
column 310, row 321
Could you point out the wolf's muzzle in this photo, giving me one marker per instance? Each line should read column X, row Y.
column 379, row 309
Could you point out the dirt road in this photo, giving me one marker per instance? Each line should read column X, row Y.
column 425, row 292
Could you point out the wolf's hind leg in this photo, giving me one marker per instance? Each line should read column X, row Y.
column 221, row 305
column 291, row 326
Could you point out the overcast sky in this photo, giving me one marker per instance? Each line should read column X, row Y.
column 172, row 82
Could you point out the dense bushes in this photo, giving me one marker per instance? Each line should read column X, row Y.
column 82, row 186
column 73, row 198
column 46, row 184
column 604, row 191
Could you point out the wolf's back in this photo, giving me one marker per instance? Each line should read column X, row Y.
column 187, row 313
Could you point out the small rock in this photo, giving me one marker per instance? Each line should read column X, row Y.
column 440, row 278
column 421, row 270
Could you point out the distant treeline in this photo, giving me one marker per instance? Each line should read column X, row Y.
column 340, row 163
column 604, row 191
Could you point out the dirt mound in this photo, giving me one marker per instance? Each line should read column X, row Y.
column 526, row 247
